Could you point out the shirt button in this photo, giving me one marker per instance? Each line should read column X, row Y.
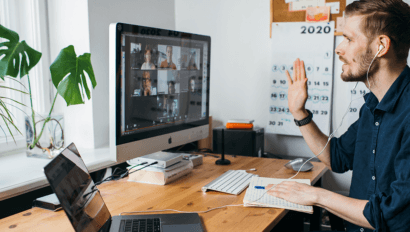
column 373, row 178
column 361, row 229
column 374, row 151
column 377, row 123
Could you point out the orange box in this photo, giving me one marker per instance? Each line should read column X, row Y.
column 239, row 125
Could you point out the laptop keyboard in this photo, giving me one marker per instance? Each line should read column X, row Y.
column 141, row 225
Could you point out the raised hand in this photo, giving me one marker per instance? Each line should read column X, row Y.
column 297, row 92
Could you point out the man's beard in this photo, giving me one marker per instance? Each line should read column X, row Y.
column 364, row 62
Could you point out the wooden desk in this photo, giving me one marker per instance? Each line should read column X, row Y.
column 184, row 194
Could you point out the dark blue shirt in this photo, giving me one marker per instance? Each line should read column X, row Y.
column 377, row 148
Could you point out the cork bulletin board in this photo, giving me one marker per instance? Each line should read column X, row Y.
column 279, row 12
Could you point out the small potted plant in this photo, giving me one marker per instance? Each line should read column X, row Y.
column 67, row 74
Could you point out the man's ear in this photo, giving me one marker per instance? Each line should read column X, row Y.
column 385, row 41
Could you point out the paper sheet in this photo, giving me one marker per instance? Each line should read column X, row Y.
column 357, row 96
column 267, row 200
column 334, row 7
column 303, row 4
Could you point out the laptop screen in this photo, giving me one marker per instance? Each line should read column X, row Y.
column 69, row 178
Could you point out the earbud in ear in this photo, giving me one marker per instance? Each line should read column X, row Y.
column 381, row 47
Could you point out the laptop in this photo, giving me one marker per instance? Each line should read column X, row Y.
column 82, row 202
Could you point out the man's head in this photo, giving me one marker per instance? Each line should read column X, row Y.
column 169, row 54
column 146, row 80
column 171, row 87
column 369, row 24
column 174, row 106
column 147, row 55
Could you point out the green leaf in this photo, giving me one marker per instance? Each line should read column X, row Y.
column 7, row 117
column 13, row 100
column 7, row 111
column 18, row 57
column 68, row 75
column 6, row 87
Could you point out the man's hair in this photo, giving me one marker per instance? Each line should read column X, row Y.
column 385, row 17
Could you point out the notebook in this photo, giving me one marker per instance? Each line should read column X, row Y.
column 82, row 202
column 252, row 195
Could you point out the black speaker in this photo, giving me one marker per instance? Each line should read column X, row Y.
column 246, row 142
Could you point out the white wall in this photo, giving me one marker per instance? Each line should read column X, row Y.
column 84, row 24
column 240, row 54
column 153, row 13
column 68, row 25
column 239, row 33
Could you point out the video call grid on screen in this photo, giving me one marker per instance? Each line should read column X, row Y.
column 162, row 81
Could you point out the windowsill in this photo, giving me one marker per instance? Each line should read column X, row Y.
column 21, row 174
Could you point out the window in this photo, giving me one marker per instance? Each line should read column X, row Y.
column 29, row 20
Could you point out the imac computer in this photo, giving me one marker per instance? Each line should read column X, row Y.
column 159, row 89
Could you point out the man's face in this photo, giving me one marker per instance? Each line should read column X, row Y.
column 169, row 54
column 192, row 85
column 355, row 52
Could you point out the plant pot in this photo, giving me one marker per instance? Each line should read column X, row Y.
column 51, row 141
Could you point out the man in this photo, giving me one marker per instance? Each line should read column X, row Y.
column 192, row 84
column 168, row 62
column 377, row 146
column 174, row 109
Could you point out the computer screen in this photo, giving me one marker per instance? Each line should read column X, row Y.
column 71, row 182
column 161, row 84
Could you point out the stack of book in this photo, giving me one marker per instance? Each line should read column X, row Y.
column 161, row 176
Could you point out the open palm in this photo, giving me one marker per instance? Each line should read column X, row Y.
column 297, row 92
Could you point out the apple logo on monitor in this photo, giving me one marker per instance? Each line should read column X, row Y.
column 170, row 140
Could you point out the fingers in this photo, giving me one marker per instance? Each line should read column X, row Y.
column 299, row 73
column 302, row 71
column 276, row 194
column 296, row 70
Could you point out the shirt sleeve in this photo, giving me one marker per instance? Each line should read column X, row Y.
column 342, row 149
column 390, row 212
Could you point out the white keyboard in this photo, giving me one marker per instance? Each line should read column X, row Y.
column 232, row 182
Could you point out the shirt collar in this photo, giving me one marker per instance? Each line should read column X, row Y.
column 391, row 97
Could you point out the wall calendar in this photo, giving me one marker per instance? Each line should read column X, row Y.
column 314, row 44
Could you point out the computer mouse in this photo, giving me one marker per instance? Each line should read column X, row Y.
column 297, row 163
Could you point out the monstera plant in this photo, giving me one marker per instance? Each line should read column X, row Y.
column 67, row 74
